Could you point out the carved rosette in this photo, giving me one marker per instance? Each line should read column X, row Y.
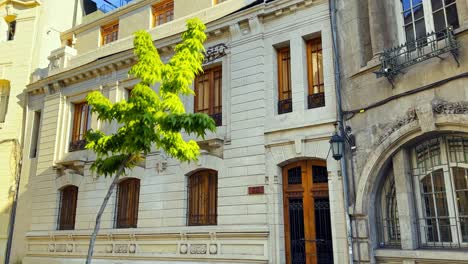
column 183, row 249
column 213, row 249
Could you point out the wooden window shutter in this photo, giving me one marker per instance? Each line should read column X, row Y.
column 128, row 203
column 208, row 94
column 68, row 203
column 202, row 198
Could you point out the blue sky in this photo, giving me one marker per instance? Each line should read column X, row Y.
column 101, row 2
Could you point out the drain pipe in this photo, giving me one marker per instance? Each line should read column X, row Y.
column 344, row 165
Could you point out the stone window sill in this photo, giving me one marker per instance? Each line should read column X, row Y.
column 435, row 254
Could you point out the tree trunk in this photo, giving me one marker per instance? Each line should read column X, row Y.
column 101, row 210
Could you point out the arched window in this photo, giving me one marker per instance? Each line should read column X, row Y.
column 128, row 195
column 441, row 187
column 203, row 198
column 389, row 226
column 67, row 214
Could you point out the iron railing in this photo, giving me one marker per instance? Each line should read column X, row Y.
column 316, row 100
column 432, row 45
column 218, row 118
column 285, row 106
column 77, row 145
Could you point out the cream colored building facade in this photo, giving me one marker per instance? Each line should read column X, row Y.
column 408, row 199
column 254, row 151
column 28, row 32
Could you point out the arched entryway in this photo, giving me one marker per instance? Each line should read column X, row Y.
column 306, row 203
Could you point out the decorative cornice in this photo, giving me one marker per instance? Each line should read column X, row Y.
column 409, row 117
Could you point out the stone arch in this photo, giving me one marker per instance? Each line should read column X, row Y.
column 369, row 178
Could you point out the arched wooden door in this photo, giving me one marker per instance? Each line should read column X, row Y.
column 307, row 213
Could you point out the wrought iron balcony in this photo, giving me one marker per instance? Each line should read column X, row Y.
column 218, row 118
column 316, row 100
column 432, row 45
column 285, row 106
column 77, row 145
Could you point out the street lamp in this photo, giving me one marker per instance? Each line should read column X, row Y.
column 337, row 142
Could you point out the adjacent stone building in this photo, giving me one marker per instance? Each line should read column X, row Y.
column 264, row 190
column 28, row 32
column 405, row 99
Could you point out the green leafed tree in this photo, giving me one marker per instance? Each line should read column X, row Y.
column 150, row 119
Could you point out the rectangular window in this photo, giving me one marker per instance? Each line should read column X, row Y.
column 208, row 94
column 68, row 203
column 316, row 92
column 4, row 98
column 11, row 30
column 284, row 81
column 110, row 33
column 35, row 134
column 422, row 16
column 81, row 124
column 128, row 197
column 163, row 12
column 202, row 198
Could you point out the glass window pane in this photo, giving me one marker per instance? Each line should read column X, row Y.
column 439, row 20
column 445, row 230
column 409, row 33
column 420, row 28
column 406, row 4
column 464, row 228
column 436, row 4
column 452, row 16
column 418, row 12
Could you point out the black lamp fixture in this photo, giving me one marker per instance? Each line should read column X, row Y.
column 337, row 141
column 337, row 144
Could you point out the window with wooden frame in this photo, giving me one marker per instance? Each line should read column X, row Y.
column 284, row 81
column 163, row 12
column 316, row 91
column 219, row 1
column 4, row 98
column 81, row 124
column 208, row 94
column 128, row 197
column 68, row 203
column 110, row 33
column 203, row 198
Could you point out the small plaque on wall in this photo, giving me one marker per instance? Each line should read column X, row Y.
column 256, row 190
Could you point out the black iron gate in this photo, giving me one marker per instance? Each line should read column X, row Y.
column 323, row 231
column 296, row 224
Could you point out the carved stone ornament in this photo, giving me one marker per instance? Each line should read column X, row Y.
column 213, row 249
column 183, row 249
column 51, row 247
column 408, row 118
column 215, row 52
column 132, row 248
column 70, row 248
column 198, row 249
column 109, row 248
column 121, row 248
column 449, row 108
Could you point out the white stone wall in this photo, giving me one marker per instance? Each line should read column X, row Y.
column 256, row 142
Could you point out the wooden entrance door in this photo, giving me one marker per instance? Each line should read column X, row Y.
column 307, row 213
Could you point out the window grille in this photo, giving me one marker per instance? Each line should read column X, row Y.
column 441, row 181
column 389, row 226
column 11, row 30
